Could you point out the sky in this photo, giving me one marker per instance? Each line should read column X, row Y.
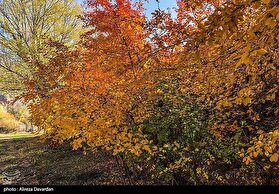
column 152, row 5
column 164, row 4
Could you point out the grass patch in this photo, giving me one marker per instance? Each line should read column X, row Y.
column 39, row 164
column 17, row 135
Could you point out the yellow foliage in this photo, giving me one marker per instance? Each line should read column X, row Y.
column 77, row 144
column 266, row 144
column 7, row 120
column 274, row 157
column 238, row 75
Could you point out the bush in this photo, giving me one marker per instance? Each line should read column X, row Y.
column 187, row 150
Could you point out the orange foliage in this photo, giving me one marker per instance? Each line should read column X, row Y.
column 99, row 94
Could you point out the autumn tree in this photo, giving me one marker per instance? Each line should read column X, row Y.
column 24, row 27
column 96, row 105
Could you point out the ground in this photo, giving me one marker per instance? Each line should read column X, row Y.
column 25, row 160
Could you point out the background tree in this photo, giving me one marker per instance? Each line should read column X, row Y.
column 24, row 27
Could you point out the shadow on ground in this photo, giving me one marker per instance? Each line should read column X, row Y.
column 37, row 163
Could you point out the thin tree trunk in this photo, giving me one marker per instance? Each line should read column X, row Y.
column 124, row 168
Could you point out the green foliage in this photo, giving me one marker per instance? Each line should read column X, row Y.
column 187, row 150
column 25, row 27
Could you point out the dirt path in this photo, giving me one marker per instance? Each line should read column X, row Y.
column 27, row 161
